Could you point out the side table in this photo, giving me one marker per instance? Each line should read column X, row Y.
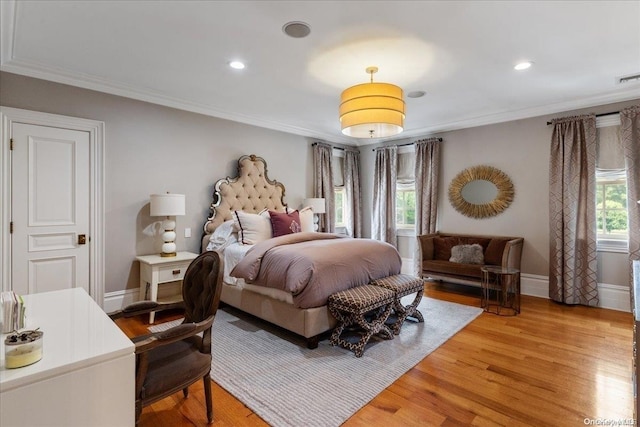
column 500, row 290
column 155, row 270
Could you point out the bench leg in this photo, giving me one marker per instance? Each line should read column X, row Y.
column 376, row 326
column 410, row 310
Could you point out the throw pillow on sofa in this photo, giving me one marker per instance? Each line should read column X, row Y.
column 467, row 254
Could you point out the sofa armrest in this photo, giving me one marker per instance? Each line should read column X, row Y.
column 512, row 253
column 424, row 247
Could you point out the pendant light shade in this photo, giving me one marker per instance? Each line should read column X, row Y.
column 372, row 110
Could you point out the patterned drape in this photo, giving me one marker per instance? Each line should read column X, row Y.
column 427, row 173
column 323, row 184
column 572, row 214
column 427, row 169
column 630, row 138
column 383, row 222
column 353, row 211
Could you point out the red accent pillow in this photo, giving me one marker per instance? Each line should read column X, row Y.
column 285, row 223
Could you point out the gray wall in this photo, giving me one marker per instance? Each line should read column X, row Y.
column 154, row 149
column 150, row 149
column 520, row 149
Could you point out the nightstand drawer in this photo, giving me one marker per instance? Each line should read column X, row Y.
column 170, row 273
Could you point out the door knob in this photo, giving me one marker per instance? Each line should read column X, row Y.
column 82, row 239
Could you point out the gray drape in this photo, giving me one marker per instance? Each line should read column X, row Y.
column 383, row 221
column 353, row 211
column 427, row 171
column 572, row 214
column 630, row 138
column 323, row 184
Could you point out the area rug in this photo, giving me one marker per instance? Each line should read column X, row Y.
column 286, row 384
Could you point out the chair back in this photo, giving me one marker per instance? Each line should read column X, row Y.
column 201, row 287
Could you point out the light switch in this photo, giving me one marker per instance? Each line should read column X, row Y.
column 187, row 232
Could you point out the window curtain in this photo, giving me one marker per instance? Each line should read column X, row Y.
column 572, row 216
column 427, row 171
column 353, row 211
column 383, row 223
column 323, row 184
column 630, row 138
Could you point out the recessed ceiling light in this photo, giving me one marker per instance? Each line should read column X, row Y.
column 296, row 29
column 236, row 64
column 523, row 65
column 416, row 94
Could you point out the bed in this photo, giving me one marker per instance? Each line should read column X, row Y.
column 248, row 285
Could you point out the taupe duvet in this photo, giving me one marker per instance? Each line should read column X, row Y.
column 312, row 266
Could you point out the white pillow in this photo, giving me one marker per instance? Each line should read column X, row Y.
column 223, row 236
column 306, row 219
column 252, row 228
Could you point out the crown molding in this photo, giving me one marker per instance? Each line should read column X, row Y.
column 527, row 113
column 35, row 70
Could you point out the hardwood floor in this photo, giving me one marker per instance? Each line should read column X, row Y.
column 552, row 365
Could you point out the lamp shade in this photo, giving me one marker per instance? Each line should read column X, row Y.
column 372, row 110
column 167, row 204
column 316, row 205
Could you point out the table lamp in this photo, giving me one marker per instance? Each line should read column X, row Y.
column 168, row 205
column 317, row 206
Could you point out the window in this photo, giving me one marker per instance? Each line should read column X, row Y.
column 339, row 195
column 611, row 210
column 406, row 208
column 612, row 225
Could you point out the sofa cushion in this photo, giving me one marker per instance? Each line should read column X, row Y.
column 452, row 268
column 442, row 247
column 493, row 253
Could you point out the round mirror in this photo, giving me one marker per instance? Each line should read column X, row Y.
column 481, row 192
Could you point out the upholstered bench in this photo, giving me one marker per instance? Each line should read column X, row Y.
column 403, row 285
column 349, row 308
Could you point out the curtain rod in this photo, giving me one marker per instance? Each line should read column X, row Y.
column 597, row 115
column 334, row 148
column 402, row 145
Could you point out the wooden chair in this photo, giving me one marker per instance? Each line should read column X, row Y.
column 172, row 360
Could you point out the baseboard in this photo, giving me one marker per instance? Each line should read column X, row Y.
column 613, row 297
column 118, row 300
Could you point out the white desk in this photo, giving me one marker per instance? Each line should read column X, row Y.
column 87, row 373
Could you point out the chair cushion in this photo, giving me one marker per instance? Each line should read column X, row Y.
column 173, row 365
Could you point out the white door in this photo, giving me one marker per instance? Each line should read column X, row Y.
column 50, row 208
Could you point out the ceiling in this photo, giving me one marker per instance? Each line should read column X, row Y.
column 177, row 53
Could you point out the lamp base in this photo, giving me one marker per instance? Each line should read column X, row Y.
column 167, row 255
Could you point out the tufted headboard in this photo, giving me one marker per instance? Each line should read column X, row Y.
column 251, row 191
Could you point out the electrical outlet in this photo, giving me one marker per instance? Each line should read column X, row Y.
column 187, row 232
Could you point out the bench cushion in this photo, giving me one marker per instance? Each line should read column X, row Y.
column 447, row 267
column 361, row 299
column 402, row 284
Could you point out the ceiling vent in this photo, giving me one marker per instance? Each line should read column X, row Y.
column 629, row 78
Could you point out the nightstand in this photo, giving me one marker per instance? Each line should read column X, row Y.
column 156, row 270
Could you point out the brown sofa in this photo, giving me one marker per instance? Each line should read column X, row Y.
column 434, row 250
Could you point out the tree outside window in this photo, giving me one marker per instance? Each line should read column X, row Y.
column 339, row 195
column 405, row 208
column 611, row 210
